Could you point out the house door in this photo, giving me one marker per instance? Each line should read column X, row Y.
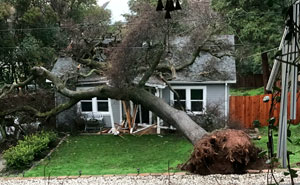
column 142, row 115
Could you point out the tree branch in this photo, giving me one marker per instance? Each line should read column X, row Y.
column 173, row 90
column 39, row 114
column 9, row 88
column 93, row 64
column 89, row 73
column 150, row 71
column 103, row 91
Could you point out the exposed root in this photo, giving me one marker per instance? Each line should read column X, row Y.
column 223, row 152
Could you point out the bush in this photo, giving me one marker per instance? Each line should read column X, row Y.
column 21, row 155
column 212, row 118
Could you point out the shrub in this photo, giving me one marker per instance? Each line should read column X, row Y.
column 212, row 119
column 21, row 155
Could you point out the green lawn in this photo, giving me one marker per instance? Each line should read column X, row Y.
column 293, row 147
column 107, row 154
column 246, row 92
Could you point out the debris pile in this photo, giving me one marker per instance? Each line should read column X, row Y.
column 224, row 152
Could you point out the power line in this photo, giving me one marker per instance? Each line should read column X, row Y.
column 124, row 23
column 141, row 47
column 259, row 53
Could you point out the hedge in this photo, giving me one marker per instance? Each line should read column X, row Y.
column 21, row 155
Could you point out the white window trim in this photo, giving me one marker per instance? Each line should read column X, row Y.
column 86, row 101
column 94, row 107
column 103, row 101
column 188, row 97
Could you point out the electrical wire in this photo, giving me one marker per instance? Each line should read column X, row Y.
column 91, row 25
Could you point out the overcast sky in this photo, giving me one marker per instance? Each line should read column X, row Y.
column 117, row 7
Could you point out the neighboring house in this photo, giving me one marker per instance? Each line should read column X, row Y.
column 200, row 84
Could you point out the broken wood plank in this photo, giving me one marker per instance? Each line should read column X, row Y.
column 145, row 130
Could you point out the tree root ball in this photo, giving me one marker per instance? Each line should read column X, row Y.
column 224, row 152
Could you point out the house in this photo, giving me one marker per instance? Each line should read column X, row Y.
column 204, row 82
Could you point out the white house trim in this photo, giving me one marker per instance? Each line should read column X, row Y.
column 158, row 93
column 188, row 96
column 111, row 114
column 226, row 100
column 121, row 112
column 206, row 82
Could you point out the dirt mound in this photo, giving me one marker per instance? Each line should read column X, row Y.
column 223, row 152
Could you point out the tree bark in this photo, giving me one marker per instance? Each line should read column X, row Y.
column 265, row 68
column 138, row 95
column 177, row 118
column 2, row 131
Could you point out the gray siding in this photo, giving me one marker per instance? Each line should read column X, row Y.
column 216, row 96
column 107, row 120
column 65, row 120
column 166, row 95
column 115, row 104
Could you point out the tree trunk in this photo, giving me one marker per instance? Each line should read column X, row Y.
column 265, row 68
column 138, row 95
column 177, row 118
column 2, row 132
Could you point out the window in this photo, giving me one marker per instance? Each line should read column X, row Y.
column 182, row 99
column 191, row 98
column 86, row 105
column 196, row 100
column 102, row 105
column 94, row 105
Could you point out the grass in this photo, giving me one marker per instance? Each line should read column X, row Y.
column 246, row 92
column 293, row 147
column 107, row 154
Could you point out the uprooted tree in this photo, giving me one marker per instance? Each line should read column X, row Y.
column 131, row 59
column 143, row 52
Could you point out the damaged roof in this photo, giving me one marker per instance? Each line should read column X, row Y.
column 66, row 67
column 214, row 63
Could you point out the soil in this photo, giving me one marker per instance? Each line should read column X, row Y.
column 224, row 152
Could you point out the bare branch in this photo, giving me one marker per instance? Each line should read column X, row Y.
column 39, row 114
column 93, row 64
column 89, row 73
column 103, row 91
column 150, row 71
column 173, row 90
column 9, row 88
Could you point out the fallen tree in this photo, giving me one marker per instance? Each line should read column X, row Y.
column 125, row 64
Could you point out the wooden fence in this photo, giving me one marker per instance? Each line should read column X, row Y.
column 245, row 109
column 249, row 81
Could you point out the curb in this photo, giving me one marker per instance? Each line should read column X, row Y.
column 91, row 176
column 129, row 175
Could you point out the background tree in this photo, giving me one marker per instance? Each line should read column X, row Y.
column 35, row 32
column 258, row 27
